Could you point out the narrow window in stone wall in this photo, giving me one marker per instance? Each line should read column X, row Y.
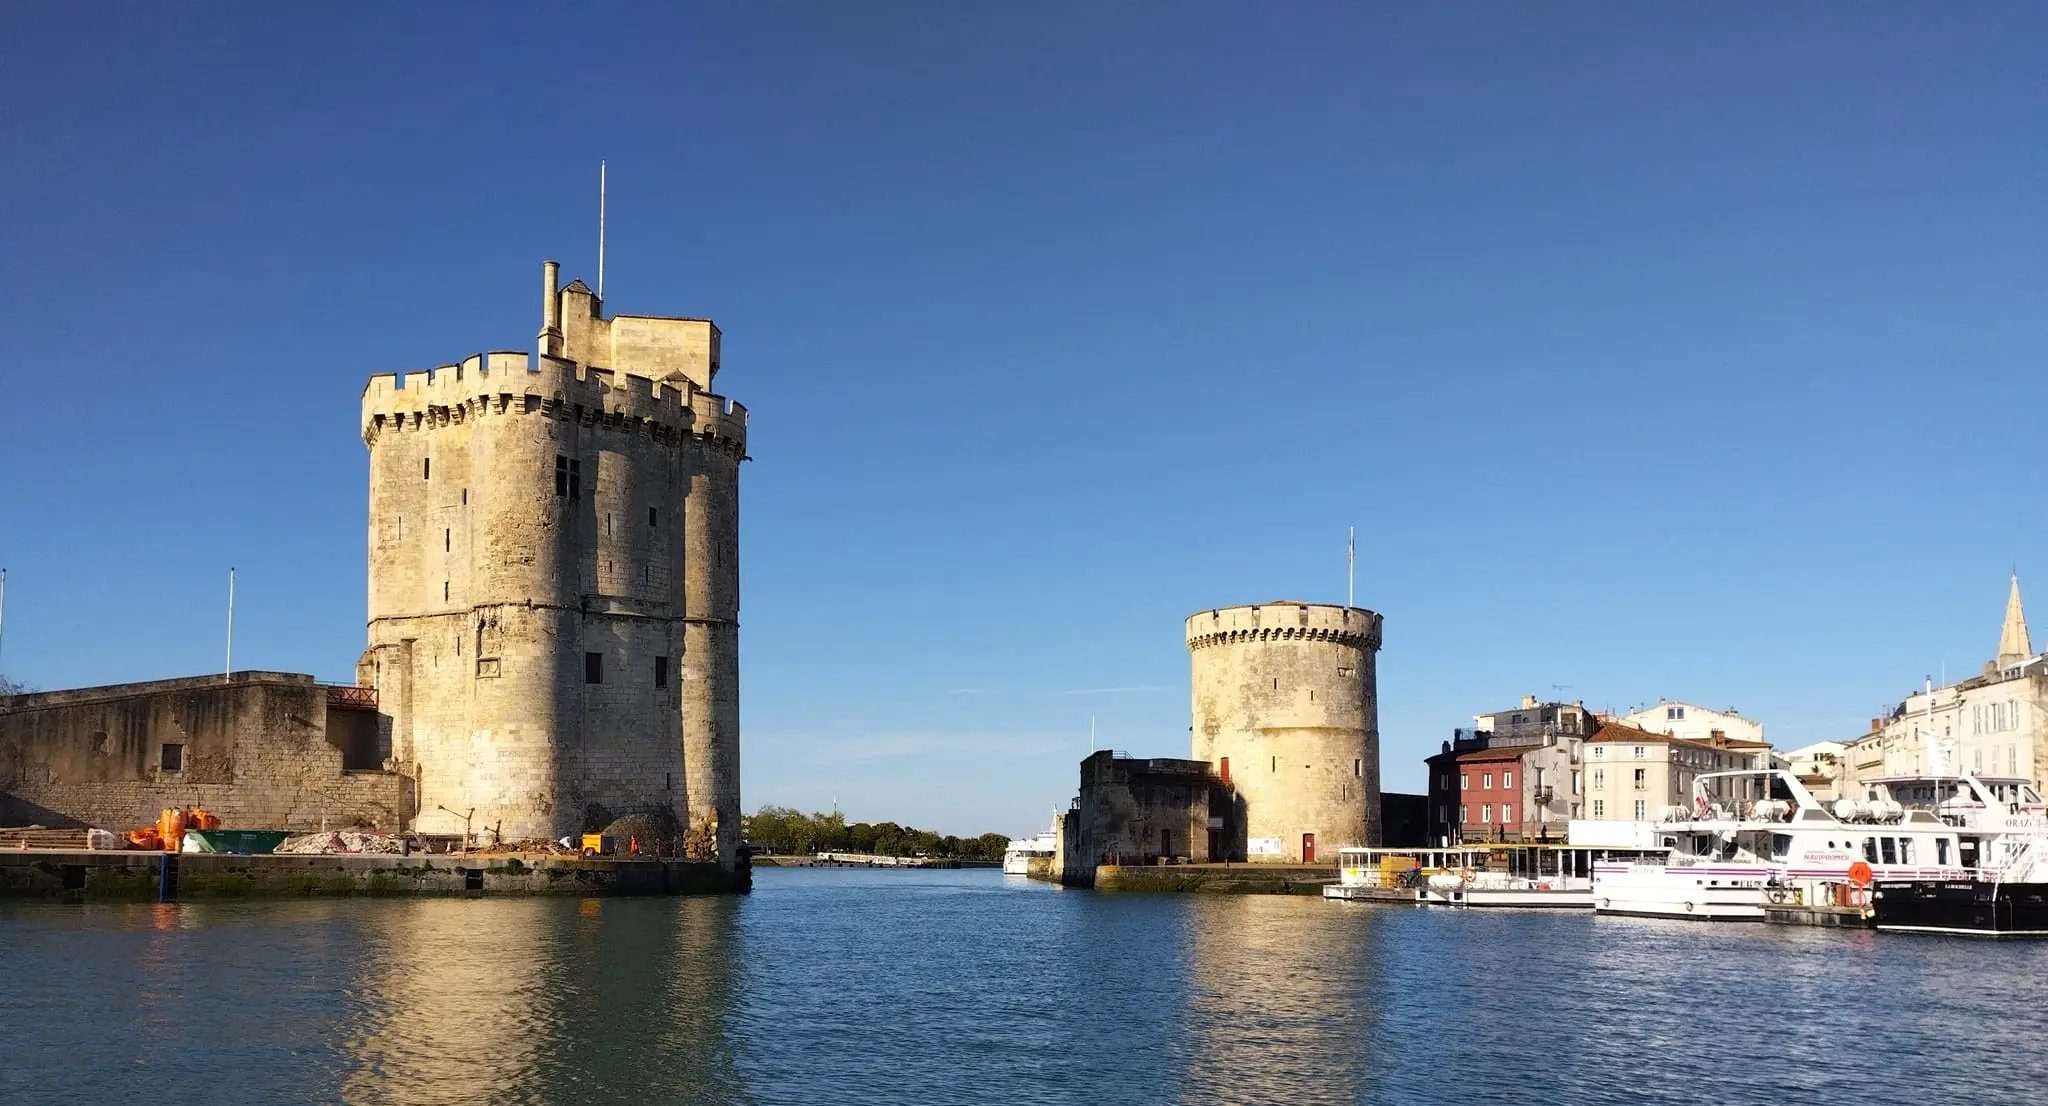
column 661, row 672
column 593, row 668
column 1358, row 769
column 447, row 540
column 568, row 478
column 444, row 591
column 426, row 468
column 172, row 757
column 465, row 497
column 652, row 514
column 1276, row 764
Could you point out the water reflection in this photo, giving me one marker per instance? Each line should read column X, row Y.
column 1275, row 1012
column 958, row 986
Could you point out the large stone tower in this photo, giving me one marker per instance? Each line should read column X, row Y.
column 1286, row 709
column 554, row 579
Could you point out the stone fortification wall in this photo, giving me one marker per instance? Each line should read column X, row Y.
column 529, row 514
column 254, row 748
column 1138, row 811
column 1285, row 705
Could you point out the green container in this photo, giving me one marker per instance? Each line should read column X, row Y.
column 235, row 841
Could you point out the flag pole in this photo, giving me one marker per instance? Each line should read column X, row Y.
column 600, row 231
column 1351, row 568
column 230, row 670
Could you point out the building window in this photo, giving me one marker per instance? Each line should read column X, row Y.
column 426, row 468
column 1507, row 813
column 1486, row 780
column 1343, row 673
column 1599, row 778
column 1641, row 779
column 661, row 672
column 171, row 757
column 1642, row 810
column 1599, row 808
column 1507, row 777
column 1575, row 783
column 653, row 514
column 593, row 668
column 1464, row 814
column 1674, row 714
column 1600, row 752
column 568, row 478
column 1464, row 781
column 1486, row 813
column 1639, row 752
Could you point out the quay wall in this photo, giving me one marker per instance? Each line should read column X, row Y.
column 260, row 749
column 141, row 876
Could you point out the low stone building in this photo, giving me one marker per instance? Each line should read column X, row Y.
column 268, row 750
column 1148, row 811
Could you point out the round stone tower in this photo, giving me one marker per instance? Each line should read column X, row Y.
column 1286, row 710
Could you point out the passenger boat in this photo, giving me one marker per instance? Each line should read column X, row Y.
column 2001, row 821
column 1019, row 853
column 1524, row 875
column 1755, row 837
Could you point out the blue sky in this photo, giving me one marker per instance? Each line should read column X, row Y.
column 1653, row 350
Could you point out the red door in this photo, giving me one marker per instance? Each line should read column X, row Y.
column 1308, row 848
column 1226, row 770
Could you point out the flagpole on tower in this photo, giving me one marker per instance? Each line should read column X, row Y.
column 600, row 231
column 1351, row 568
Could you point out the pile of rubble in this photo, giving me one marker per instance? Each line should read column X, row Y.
column 342, row 841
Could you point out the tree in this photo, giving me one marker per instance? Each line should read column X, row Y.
column 13, row 687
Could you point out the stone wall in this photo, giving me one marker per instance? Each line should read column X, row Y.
column 1286, row 708
column 253, row 748
column 1134, row 811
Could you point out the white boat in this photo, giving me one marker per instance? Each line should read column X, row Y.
column 1755, row 838
column 1525, row 875
column 1019, row 853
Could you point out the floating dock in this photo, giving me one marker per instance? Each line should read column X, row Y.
column 1839, row 917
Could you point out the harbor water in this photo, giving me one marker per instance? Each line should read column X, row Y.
column 969, row 986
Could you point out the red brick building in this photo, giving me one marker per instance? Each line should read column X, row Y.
column 1490, row 795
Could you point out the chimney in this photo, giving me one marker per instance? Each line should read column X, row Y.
column 550, row 306
column 1528, row 700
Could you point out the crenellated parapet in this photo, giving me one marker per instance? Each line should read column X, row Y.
column 1284, row 621
column 671, row 411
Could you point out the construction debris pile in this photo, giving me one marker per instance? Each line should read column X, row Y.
column 342, row 841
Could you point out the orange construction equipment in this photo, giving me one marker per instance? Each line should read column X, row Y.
column 171, row 827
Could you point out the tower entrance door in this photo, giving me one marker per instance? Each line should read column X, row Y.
column 1308, row 848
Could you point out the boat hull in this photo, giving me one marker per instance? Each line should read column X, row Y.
column 1967, row 907
column 1692, row 894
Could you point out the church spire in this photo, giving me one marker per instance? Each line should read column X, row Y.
column 2013, row 643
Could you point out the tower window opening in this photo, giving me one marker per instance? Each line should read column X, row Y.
column 465, row 497
column 661, row 672
column 171, row 758
column 1358, row 769
column 568, row 478
column 653, row 513
column 1276, row 765
column 447, row 540
column 444, row 591
column 593, row 668
column 426, row 468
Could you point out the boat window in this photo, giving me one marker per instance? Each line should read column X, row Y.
column 1941, row 851
column 1870, row 850
column 1781, row 845
column 1905, row 850
column 1889, row 851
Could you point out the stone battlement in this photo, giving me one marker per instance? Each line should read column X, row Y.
column 1282, row 620
column 512, row 382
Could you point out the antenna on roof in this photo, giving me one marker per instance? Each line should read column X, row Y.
column 600, row 230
